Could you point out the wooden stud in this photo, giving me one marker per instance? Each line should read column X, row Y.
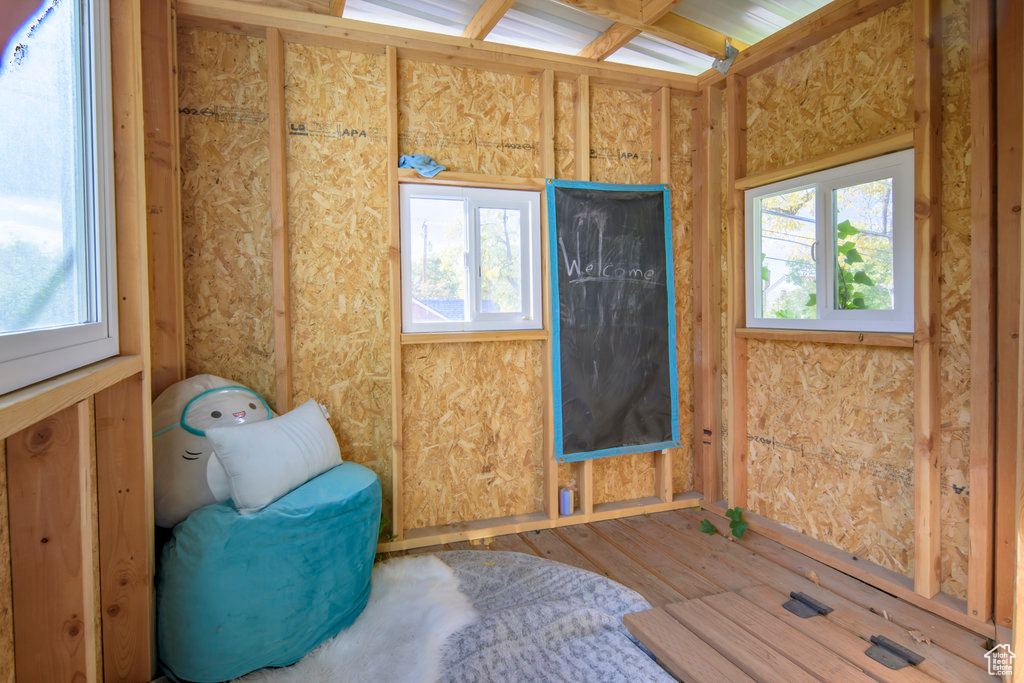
column 124, row 481
column 661, row 172
column 489, row 14
column 395, row 275
column 584, row 470
column 867, row 150
column 585, row 487
column 51, row 548
column 736, row 87
column 983, row 365
column 663, row 475
column 134, row 458
column 661, row 133
column 163, row 194
column 1009, row 34
column 707, row 294
column 337, row 8
column 279, row 221
column 927, row 252
column 1018, row 594
column 582, row 104
column 547, row 169
column 233, row 16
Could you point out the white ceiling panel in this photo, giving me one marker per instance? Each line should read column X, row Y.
column 548, row 25
column 449, row 17
column 747, row 20
column 654, row 53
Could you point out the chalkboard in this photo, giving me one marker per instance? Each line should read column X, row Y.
column 612, row 318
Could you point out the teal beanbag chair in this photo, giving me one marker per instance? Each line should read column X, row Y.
column 237, row 593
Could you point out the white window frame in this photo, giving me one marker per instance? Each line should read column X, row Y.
column 528, row 202
column 900, row 167
column 32, row 356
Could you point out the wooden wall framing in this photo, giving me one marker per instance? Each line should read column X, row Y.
column 925, row 589
column 708, row 137
column 76, row 520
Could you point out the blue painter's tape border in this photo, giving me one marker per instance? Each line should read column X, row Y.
column 556, row 365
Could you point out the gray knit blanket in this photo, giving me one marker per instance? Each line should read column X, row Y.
column 543, row 621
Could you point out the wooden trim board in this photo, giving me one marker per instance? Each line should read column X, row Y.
column 487, row 528
column 867, row 150
column 893, row 340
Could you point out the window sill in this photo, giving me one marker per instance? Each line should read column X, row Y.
column 22, row 408
column 459, row 337
column 890, row 339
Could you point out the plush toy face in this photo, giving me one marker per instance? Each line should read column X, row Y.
column 185, row 476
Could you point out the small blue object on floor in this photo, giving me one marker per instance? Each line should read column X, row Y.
column 421, row 163
column 236, row 593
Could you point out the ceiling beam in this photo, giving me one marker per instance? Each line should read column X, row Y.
column 651, row 16
column 608, row 42
column 337, row 7
column 489, row 14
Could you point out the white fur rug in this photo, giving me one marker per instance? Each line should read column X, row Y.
column 415, row 604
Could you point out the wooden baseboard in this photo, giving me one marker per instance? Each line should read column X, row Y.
column 516, row 524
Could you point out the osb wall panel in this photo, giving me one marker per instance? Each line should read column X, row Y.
column 681, row 145
column 620, row 136
column 6, row 594
column 337, row 222
column 831, row 451
column 225, row 208
column 565, row 129
column 473, row 432
column 620, row 152
column 955, row 304
column 469, row 120
column 854, row 87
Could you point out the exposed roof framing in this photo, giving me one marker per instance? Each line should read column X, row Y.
column 649, row 16
column 489, row 14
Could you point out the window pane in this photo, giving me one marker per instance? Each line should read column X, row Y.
column 501, row 261
column 864, row 247
column 787, row 262
column 437, row 258
column 44, row 237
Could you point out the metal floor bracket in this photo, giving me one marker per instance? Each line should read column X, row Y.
column 890, row 654
column 804, row 606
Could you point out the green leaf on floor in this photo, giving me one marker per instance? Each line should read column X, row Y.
column 707, row 527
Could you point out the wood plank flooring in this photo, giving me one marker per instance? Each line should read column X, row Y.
column 723, row 618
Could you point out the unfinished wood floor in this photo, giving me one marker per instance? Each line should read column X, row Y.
column 665, row 558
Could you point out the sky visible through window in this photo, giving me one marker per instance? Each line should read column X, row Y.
column 40, row 194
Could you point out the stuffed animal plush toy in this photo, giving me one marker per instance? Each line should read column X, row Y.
column 185, row 476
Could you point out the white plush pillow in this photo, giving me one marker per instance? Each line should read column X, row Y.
column 265, row 460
